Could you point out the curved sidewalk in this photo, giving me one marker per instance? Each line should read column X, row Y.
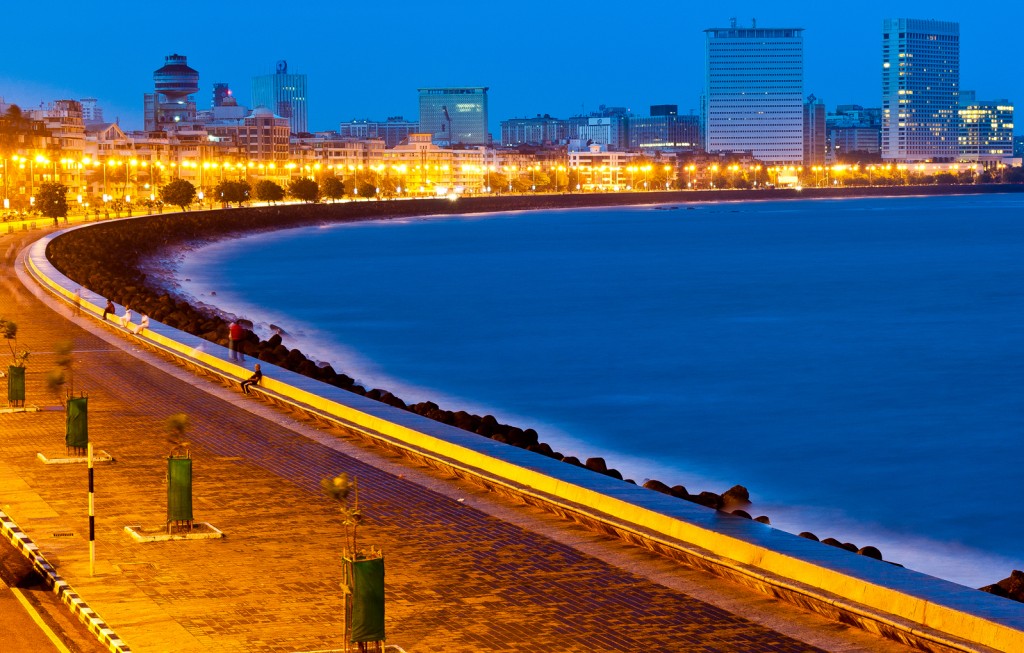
column 459, row 578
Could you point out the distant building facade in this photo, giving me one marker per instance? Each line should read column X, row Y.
column 259, row 136
column 815, row 132
column 221, row 92
column 454, row 116
column 393, row 131
column 746, row 109
column 92, row 113
column 664, row 130
column 284, row 94
column 854, row 133
column 985, row 129
column 539, row 131
column 920, row 87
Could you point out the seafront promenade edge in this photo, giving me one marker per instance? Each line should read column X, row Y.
column 467, row 572
column 890, row 601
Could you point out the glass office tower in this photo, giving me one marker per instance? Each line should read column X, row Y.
column 283, row 93
column 454, row 116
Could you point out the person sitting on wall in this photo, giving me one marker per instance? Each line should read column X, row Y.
column 142, row 325
column 108, row 310
column 256, row 377
column 126, row 319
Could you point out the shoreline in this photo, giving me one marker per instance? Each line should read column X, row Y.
column 112, row 272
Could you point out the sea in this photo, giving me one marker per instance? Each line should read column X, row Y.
column 857, row 364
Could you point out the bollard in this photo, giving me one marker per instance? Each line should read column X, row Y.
column 179, row 490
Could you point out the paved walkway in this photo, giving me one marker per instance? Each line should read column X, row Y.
column 465, row 572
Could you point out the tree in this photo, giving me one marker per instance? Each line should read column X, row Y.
column 9, row 332
column 366, row 189
column 52, row 200
column 179, row 193
column 233, row 191
column 332, row 188
column 305, row 190
column 268, row 191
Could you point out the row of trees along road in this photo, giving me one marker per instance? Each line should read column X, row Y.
column 52, row 201
column 182, row 193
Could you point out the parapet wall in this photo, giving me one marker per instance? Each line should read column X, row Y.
column 924, row 611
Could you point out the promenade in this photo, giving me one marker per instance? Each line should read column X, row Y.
column 464, row 571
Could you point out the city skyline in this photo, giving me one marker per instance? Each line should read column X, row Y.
column 654, row 56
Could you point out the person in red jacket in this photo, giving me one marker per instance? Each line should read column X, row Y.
column 235, row 335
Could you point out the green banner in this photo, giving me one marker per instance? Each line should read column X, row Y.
column 76, row 434
column 16, row 385
column 367, row 592
column 179, row 489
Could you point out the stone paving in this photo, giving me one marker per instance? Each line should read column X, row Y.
column 464, row 571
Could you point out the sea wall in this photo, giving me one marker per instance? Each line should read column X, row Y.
column 107, row 259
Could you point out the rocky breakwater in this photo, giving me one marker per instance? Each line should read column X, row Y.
column 107, row 258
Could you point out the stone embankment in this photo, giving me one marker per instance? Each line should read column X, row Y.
column 108, row 259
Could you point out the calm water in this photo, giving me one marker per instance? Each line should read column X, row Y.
column 857, row 364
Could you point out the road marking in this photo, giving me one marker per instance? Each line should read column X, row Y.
column 30, row 609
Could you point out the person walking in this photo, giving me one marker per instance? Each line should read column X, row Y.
column 235, row 334
column 256, row 377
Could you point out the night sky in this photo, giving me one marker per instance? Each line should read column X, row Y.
column 366, row 60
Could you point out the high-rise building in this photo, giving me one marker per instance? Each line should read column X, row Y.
column 753, row 92
column 221, row 91
column 284, row 94
column 454, row 116
column 985, row 129
column 172, row 102
column 920, row 85
column 815, row 132
column 92, row 113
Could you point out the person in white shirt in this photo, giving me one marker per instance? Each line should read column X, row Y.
column 143, row 324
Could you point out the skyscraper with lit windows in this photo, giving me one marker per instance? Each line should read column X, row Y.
column 920, row 88
column 985, row 129
column 753, row 92
column 284, row 94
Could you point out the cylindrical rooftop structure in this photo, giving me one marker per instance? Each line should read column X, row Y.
column 176, row 80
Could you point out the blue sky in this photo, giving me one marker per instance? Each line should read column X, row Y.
column 366, row 61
